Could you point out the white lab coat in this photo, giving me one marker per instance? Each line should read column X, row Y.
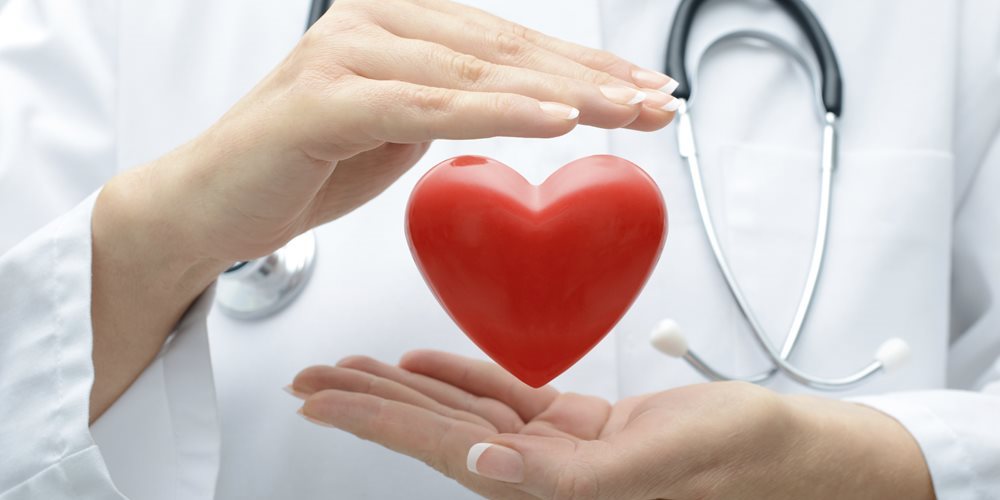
column 92, row 87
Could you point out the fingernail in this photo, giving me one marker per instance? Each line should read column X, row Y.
column 495, row 462
column 670, row 87
column 673, row 105
column 658, row 100
column 289, row 389
column 313, row 420
column 623, row 95
column 560, row 110
column 654, row 80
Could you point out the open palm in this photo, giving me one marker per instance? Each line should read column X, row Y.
column 435, row 406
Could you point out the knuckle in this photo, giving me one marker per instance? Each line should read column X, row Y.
column 356, row 362
column 601, row 77
column 435, row 454
column 602, row 60
column 328, row 49
column 427, row 99
column 380, row 423
column 313, row 82
column 469, row 69
column 509, row 45
column 519, row 31
column 367, row 383
column 503, row 106
column 577, row 481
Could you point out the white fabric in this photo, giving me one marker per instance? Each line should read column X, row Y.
column 58, row 105
column 957, row 430
column 56, row 95
column 174, row 400
column 91, row 87
column 45, row 367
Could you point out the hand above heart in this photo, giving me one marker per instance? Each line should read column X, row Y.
column 479, row 425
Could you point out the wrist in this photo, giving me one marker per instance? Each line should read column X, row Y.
column 136, row 227
column 144, row 279
column 858, row 452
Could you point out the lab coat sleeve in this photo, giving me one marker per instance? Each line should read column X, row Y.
column 57, row 145
column 160, row 438
column 958, row 429
column 45, row 369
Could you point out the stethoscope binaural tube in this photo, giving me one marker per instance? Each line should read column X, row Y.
column 667, row 336
column 831, row 83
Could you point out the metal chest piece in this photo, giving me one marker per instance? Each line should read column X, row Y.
column 260, row 288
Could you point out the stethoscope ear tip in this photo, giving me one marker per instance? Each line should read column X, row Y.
column 892, row 354
column 668, row 339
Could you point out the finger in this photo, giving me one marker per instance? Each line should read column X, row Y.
column 583, row 417
column 552, row 467
column 317, row 378
column 655, row 116
column 500, row 415
column 597, row 60
column 620, row 415
column 436, row 440
column 481, row 378
column 403, row 112
column 345, row 189
column 467, row 35
column 430, row 64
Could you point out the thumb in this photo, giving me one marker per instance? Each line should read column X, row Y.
column 559, row 467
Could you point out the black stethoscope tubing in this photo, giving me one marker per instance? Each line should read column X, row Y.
column 316, row 11
column 831, row 83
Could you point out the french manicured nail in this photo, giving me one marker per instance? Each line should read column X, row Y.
column 673, row 105
column 623, row 95
column 313, row 420
column 291, row 390
column 495, row 462
column 658, row 100
column 654, row 80
column 560, row 110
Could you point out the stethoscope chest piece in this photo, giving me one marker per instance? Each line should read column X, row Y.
column 259, row 288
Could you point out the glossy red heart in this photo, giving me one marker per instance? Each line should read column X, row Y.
column 536, row 276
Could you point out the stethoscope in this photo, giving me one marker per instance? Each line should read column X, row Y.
column 667, row 336
column 260, row 288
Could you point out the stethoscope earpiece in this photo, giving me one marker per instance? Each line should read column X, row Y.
column 668, row 339
column 892, row 354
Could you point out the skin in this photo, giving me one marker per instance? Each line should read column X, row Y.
column 722, row 440
column 352, row 107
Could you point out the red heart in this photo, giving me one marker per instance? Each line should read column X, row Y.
column 536, row 276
